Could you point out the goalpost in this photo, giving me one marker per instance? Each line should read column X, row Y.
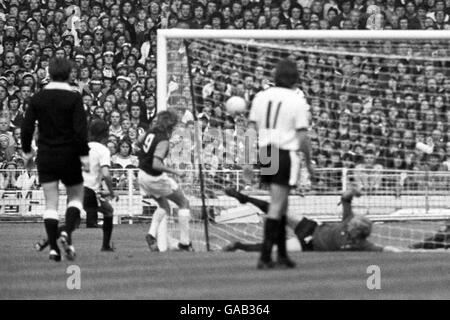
column 195, row 67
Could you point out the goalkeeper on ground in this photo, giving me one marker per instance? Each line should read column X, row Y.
column 348, row 235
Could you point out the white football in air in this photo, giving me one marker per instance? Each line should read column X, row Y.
column 236, row 105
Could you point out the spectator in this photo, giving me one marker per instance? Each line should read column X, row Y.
column 8, row 178
column 361, row 97
column 115, row 128
column 368, row 180
column 124, row 158
column 6, row 149
column 112, row 146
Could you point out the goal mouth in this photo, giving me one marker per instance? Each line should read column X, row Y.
column 366, row 89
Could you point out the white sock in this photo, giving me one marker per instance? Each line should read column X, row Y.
column 162, row 235
column 158, row 215
column 172, row 243
column 184, row 215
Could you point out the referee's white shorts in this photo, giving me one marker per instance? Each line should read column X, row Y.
column 156, row 186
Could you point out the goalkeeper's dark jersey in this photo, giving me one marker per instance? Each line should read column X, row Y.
column 334, row 237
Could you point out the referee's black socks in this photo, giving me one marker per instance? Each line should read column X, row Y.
column 72, row 218
column 107, row 231
column 51, row 227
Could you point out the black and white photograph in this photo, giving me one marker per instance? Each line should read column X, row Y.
column 222, row 157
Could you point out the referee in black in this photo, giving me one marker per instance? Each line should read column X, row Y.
column 62, row 151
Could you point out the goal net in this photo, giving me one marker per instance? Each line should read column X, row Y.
column 373, row 96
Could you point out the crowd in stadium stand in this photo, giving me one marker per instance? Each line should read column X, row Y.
column 113, row 46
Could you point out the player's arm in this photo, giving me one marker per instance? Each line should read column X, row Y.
column 247, row 169
column 305, row 146
column 137, row 145
column 302, row 119
column 158, row 157
column 105, row 161
column 252, row 122
column 253, row 115
column 106, row 175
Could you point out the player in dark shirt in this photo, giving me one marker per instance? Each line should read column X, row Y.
column 348, row 235
column 62, row 151
column 439, row 240
column 153, row 148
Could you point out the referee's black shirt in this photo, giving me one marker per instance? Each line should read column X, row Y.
column 62, row 121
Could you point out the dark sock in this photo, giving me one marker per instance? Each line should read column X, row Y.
column 91, row 217
column 72, row 217
column 51, row 227
column 270, row 236
column 281, row 238
column 107, row 231
column 249, row 247
column 261, row 204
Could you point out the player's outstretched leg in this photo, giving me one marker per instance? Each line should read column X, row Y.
column 248, row 247
column 232, row 192
column 41, row 244
column 242, row 198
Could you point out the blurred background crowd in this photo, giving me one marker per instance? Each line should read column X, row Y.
column 371, row 102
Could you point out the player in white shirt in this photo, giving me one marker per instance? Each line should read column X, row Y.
column 93, row 202
column 281, row 115
column 100, row 161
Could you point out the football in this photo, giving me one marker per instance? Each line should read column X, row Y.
column 235, row 105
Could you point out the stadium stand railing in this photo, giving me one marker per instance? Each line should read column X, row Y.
column 392, row 190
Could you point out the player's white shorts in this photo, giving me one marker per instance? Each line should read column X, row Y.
column 157, row 187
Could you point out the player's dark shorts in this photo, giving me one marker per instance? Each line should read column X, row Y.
column 59, row 165
column 275, row 165
column 92, row 202
column 304, row 230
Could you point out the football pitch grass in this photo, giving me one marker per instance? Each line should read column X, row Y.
column 133, row 272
